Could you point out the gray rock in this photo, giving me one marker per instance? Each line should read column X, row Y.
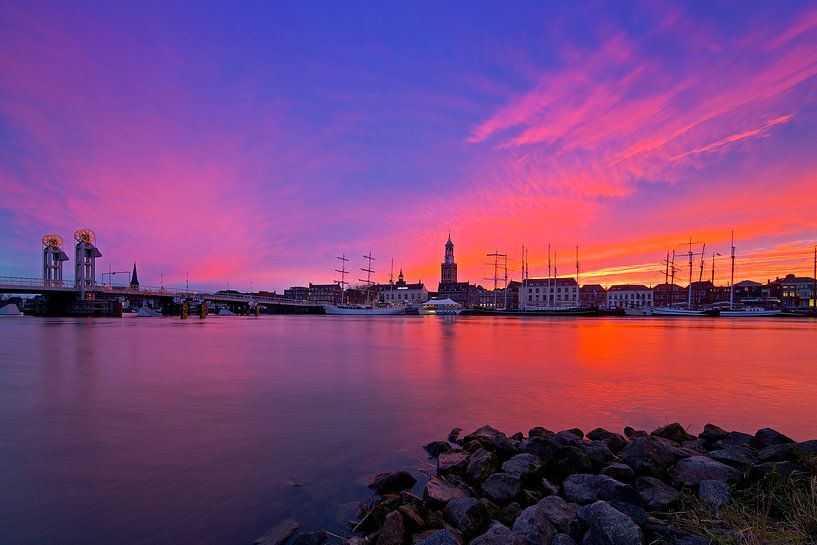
column 674, row 432
column 438, row 492
column 712, row 433
column 452, row 462
column 309, row 538
column 493, row 440
column 563, row 515
column 534, row 526
column 393, row 531
column 279, row 533
column 673, row 449
column 691, row 540
column 655, row 494
column 454, row 435
column 638, row 514
column 647, row 457
column 767, row 436
column 392, row 481
column 499, row 534
column 619, row 472
column 509, row 513
column 808, row 448
column 467, row 515
column 598, row 452
column 736, row 438
column 481, row 464
column 776, row 471
column 779, row 453
column 735, row 455
column 609, row 526
column 539, row 431
column 502, row 487
column 441, row 537
column 690, row 471
column 715, row 494
column 615, row 441
column 522, row 465
column 586, row 488
column 540, row 446
column 567, row 438
column 435, row 448
column 568, row 460
column 562, row 539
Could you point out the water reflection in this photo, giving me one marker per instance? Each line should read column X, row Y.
column 142, row 431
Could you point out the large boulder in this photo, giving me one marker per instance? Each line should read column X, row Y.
column 393, row 531
column 655, row 494
column 598, row 452
column 541, row 447
column 615, row 441
column 534, row 526
column 715, row 494
column 691, row 471
column 441, row 537
column 767, row 436
column 467, row 515
column 774, row 471
column 587, row 488
column 499, row 534
column 739, row 456
column 567, row 438
column 435, row 448
column 309, row 538
column 562, row 515
column 481, row 464
column 539, row 431
column 647, row 457
column 522, row 465
column 493, row 440
column 620, row 472
column 438, row 492
column 609, row 526
column 502, row 487
column 568, row 460
column 674, row 432
column 562, row 539
column 712, row 434
column 780, row 453
column 392, row 481
column 737, row 438
column 452, row 462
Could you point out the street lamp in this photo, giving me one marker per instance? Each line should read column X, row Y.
column 187, row 283
column 162, row 285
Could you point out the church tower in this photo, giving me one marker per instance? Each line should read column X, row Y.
column 448, row 268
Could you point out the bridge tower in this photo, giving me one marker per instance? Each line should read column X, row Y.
column 53, row 256
column 85, row 266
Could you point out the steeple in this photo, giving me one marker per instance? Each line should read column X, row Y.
column 134, row 278
column 449, row 266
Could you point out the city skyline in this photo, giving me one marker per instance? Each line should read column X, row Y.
column 257, row 145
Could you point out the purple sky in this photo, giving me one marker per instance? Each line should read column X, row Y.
column 255, row 143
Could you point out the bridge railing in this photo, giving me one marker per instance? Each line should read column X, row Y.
column 37, row 283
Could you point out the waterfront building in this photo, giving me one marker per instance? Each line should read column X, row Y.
column 500, row 298
column 593, row 295
column 324, row 294
column 401, row 292
column 463, row 293
column 547, row 292
column 669, row 295
column 702, row 293
column 629, row 296
column 748, row 290
column 795, row 292
column 298, row 293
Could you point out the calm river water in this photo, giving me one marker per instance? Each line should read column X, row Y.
column 143, row 431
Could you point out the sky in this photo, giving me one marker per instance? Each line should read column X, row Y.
column 254, row 143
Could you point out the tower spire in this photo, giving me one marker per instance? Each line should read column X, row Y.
column 134, row 278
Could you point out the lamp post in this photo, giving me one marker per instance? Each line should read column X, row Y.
column 162, row 282
column 187, row 283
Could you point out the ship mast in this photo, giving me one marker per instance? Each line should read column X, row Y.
column 549, row 272
column 343, row 272
column 672, row 281
column 732, row 278
column 577, row 276
column 814, row 295
column 368, row 270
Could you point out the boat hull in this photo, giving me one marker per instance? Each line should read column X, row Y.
column 348, row 311
column 663, row 311
column 638, row 312
column 580, row 311
column 440, row 312
column 750, row 313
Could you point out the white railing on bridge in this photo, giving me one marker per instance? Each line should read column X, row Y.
column 13, row 282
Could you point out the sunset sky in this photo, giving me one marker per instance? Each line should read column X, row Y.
column 242, row 142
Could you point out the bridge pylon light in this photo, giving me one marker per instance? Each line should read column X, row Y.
column 85, row 266
column 53, row 256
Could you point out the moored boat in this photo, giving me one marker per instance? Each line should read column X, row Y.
column 362, row 310
column 440, row 307
column 641, row 311
column 751, row 312
column 147, row 312
column 673, row 311
column 10, row 310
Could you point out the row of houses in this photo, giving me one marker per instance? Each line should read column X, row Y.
column 791, row 292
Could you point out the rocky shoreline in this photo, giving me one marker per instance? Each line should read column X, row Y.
column 599, row 488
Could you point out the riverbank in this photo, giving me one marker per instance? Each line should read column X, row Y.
column 602, row 488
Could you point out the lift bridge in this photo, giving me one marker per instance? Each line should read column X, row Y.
column 84, row 296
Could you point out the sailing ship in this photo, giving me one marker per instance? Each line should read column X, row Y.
column 365, row 309
column 744, row 311
column 669, row 278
